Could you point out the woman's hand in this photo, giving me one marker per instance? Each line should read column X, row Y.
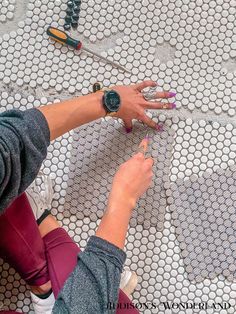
column 131, row 181
column 133, row 104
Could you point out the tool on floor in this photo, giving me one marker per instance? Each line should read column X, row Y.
column 72, row 14
column 64, row 38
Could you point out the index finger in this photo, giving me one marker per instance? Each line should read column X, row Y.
column 148, row 121
column 143, row 146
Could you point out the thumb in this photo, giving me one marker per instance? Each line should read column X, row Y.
column 128, row 125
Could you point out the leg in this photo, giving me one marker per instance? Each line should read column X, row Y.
column 62, row 252
column 21, row 244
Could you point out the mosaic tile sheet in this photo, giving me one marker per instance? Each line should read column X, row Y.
column 205, row 219
column 97, row 152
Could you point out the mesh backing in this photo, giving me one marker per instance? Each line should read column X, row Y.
column 205, row 220
column 98, row 150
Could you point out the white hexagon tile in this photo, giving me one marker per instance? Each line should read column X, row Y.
column 188, row 47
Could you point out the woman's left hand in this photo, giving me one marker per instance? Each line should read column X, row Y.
column 133, row 104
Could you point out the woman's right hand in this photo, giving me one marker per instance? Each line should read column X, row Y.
column 131, row 180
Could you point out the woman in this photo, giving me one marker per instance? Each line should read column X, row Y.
column 23, row 144
column 48, row 260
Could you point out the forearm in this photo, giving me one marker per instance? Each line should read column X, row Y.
column 67, row 115
column 114, row 224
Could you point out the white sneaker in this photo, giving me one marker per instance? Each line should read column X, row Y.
column 40, row 194
column 128, row 282
column 42, row 306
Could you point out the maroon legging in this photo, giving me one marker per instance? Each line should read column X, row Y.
column 39, row 260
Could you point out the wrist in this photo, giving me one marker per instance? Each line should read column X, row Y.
column 97, row 99
column 119, row 202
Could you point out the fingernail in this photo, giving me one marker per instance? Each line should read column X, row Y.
column 171, row 94
column 159, row 127
column 128, row 130
column 173, row 105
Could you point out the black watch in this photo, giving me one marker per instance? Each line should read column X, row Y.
column 111, row 102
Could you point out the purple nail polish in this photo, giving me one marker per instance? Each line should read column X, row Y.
column 173, row 105
column 171, row 94
column 128, row 130
column 159, row 127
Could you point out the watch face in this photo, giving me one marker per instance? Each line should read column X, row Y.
column 112, row 101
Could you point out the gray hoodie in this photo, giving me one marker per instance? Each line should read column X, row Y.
column 94, row 283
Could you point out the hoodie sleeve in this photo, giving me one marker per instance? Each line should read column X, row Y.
column 24, row 138
column 93, row 286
